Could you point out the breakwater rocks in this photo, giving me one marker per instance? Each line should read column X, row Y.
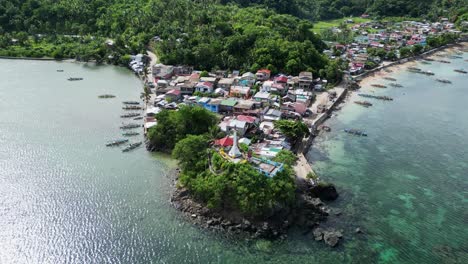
column 307, row 213
column 324, row 191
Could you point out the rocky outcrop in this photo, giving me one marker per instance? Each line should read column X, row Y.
column 308, row 212
column 324, row 191
column 331, row 237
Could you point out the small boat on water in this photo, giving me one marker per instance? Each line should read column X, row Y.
column 130, row 134
column 455, row 57
column 75, row 79
column 132, row 107
column 444, row 61
column 378, row 97
column 444, row 81
column 414, row 69
column 130, row 115
column 130, row 126
column 363, row 103
column 428, row 59
column 378, row 85
column 131, row 102
column 396, row 85
column 132, row 146
column 116, row 142
column 356, row 132
column 427, row 73
column 390, row 79
column 460, row 71
column 426, row 62
column 59, row 70
column 138, row 118
column 105, row 96
column 325, row 128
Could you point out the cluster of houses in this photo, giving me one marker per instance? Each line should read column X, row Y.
column 389, row 36
column 248, row 103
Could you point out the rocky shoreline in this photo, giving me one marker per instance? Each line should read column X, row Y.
column 307, row 213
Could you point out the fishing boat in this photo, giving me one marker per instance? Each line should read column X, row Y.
column 460, row 71
column 105, row 96
column 355, row 132
column 59, row 70
column 131, row 102
column 444, row 61
column 443, row 81
column 132, row 146
column 75, row 79
column 132, row 107
column 397, row 85
column 428, row 59
column 427, row 73
column 455, row 57
column 378, row 85
column 130, row 134
column 363, row 103
column 138, row 118
column 385, row 98
column 426, row 62
column 130, row 126
column 130, row 115
column 116, row 142
column 390, row 79
column 414, row 69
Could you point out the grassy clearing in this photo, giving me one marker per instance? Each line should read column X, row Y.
column 321, row 25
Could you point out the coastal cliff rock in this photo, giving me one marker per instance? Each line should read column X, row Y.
column 324, row 191
column 307, row 213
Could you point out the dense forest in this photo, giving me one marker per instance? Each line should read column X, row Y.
column 330, row 9
column 208, row 34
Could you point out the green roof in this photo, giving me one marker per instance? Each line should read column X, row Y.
column 229, row 102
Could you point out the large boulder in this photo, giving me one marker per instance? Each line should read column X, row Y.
column 324, row 191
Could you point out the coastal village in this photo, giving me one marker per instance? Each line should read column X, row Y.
column 248, row 103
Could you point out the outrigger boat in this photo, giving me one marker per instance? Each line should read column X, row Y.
column 397, row 85
column 443, row 80
column 138, row 118
column 129, row 134
column 390, row 79
column 59, row 70
column 363, row 103
column 130, row 115
column 444, row 61
column 378, row 85
column 426, row 62
column 356, row 132
column 132, row 107
column 460, row 71
column 428, row 59
column 131, row 102
column 130, row 126
column 455, row 57
column 104, row 96
column 385, row 98
column 116, row 142
column 414, row 69
column 75, row 79
column 132, row 146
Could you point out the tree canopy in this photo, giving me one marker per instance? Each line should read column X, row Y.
column 174, row 126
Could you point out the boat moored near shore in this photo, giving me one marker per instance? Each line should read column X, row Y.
column 355, row 132
column 363, row 103
column 132, row 146
column 116, row 142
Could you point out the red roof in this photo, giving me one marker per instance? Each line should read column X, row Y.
column 248, row 119
column 174, row 92
column 224, row 142
column 282, row 79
